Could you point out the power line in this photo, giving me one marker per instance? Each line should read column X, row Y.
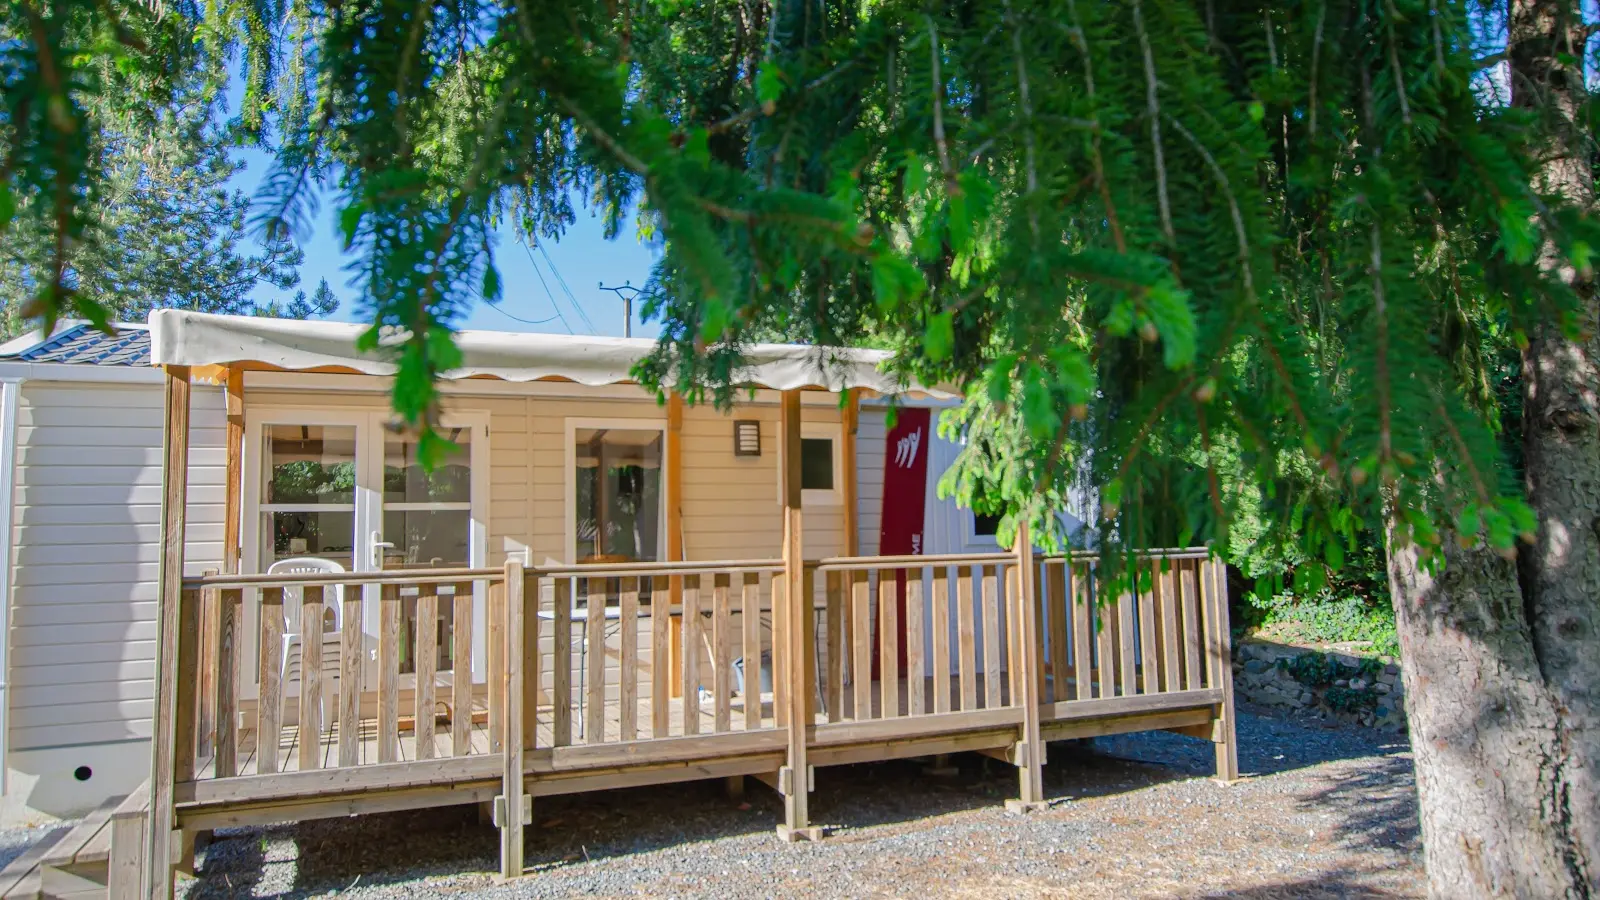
column 496, row 307
column 563, row 282
column 547, row 291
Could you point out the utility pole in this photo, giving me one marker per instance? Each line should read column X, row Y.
column 627, row 303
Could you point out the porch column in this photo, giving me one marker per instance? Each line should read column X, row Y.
column 164, row 731
column 672, row 682
column 796, row 638
column 1030, row 750
column 211, row 625
column 233, row 500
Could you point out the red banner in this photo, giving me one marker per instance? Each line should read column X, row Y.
column 905, row 491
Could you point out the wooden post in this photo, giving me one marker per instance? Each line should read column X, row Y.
column 514, row 808
column 213, row 611
column 801, row 709
column 1030, row 759
column 164, row 727
column 1214, row 577
column 850, row 417
column 674, row 464
column 232, row 503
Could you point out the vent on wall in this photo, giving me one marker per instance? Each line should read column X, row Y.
column 747, row 437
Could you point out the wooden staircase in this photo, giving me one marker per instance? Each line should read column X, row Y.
column 100, row 857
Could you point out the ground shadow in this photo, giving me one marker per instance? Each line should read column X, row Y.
column 1375, row 805
column 1334, row 886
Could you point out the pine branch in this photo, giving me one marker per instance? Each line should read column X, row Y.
column 1029, row 162
column 1153, row 108
column 1077, row 34
column 1233, row 207
column 938, row 110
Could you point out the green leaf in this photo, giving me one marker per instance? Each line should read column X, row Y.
column 350, row 222
column 491, row 284
column 1038, row 409
column 442, row 349
column 769, row 83
column 1168, row 308
column 1333, row 554
column 697, row 146
column 1257, row 111
column 1111, row 494
column 939, row 339
column 998, row 382
column 1468, row 523
column 714, row 321
column 960, row 222
column 8, row 206
column 916, row 175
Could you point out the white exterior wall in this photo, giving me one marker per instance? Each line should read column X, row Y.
column 85, row 549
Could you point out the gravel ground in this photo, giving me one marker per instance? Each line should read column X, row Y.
column 1323, row 813
column 15, row 841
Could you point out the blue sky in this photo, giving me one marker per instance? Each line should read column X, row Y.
column 583, row 258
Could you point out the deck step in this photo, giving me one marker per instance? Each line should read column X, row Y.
column 88, row 844
column 20, row 880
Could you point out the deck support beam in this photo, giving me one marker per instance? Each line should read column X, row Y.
column 796, row 636
column 164, row 753
column 1028, row 754
column 1214, row 581
column 514, row 807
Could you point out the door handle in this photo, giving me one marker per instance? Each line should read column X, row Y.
column 378, row 546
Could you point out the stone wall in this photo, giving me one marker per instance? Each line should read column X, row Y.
column 1343, row 687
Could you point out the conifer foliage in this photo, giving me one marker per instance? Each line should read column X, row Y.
column 1222, row 259
column 1175, row 247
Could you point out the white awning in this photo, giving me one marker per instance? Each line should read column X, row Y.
column 203, row 340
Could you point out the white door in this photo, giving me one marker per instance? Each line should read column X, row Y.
column 334, row 484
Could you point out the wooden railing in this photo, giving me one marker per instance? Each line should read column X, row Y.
column 1147, row 642
column 626, row 653
column 915, row 635
column 344, row 697
column 653, row 650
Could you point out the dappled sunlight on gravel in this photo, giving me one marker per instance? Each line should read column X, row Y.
column 1328, row 814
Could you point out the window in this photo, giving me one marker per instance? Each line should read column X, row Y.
column 821, row 483
column 308, row 497
column 427, row 515
column 617, row 500
column 816, row 464
column 985, row 525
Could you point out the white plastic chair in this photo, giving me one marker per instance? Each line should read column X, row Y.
column 294, row 631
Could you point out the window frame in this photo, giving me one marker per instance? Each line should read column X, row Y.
column 832, row 432
column 368, row 423
column 569, row 479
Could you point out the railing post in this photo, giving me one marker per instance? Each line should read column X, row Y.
column 1030, row 749
column 795, row 782
column 513, row 808
column 1214, row 581
column 169, row 641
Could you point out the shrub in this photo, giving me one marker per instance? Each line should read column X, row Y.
column 1331, row 618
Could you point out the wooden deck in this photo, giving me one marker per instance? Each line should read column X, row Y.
column 647, row 693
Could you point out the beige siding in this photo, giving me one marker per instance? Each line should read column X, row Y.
column 730, row 503
column 87, row 522
column 86, row 547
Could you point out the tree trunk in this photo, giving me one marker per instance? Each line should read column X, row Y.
column 1561, row 428
column 1484, row 730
